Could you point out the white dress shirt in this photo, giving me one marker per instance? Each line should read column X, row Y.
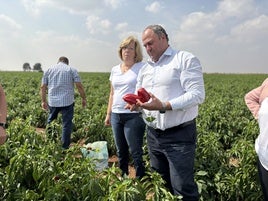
column 176, row 77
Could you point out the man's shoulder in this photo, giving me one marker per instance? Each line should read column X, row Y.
column 185, row 53
column 53, row 67
column 62, row 66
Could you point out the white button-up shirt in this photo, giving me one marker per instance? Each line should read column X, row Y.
column 261, row 143
column 176, row 77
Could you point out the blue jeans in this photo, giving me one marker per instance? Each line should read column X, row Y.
column 172, row 155
column 67, row 124
column 128, row 130
column 263, row 176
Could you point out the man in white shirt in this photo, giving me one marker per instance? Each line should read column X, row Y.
column 175, row 82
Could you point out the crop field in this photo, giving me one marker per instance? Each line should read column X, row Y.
column 34, row 167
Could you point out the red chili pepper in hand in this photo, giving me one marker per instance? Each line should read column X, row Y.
column 131, row 98
column 144, row 95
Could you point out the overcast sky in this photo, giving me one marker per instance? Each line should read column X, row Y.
column 228, row 36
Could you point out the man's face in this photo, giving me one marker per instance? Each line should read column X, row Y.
column 153, row 44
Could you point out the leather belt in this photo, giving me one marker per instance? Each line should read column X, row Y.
column 187, row 123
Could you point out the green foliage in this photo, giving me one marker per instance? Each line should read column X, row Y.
column 34, row 167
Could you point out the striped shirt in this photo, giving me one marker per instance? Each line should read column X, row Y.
column 60, row 80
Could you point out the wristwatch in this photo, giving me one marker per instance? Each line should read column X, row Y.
column 4, row 125
column 164, row 107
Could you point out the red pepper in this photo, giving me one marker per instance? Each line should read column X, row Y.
column 144, row 95
column 131, row 98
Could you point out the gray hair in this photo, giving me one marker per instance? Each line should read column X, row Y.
column 158, row 30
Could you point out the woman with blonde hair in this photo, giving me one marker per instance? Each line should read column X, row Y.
column 128, row 127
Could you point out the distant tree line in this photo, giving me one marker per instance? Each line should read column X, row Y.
column 37, row 67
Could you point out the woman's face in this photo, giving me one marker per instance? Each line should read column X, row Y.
column 128, row 52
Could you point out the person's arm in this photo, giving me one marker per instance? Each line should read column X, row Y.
column 107, row 121
column 3, row 106
column 3, row 115
column 252, row 101
column 43, row 94
column 254, row 97
column 82, row 93
column 192, row 82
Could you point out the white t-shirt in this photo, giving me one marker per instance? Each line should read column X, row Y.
column 261, row 143
column 123, row 83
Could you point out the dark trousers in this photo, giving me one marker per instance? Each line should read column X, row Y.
column 263, row 175
column 172, row 154
column 67, row 124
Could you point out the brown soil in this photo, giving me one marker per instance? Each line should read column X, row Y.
column 113, row 159
column 40, row 130
column 234, row 162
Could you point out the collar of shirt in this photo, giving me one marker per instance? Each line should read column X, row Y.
column 168, row 52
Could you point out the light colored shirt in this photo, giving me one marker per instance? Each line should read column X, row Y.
column 123, row 83
column 255, row 97
column 176, row 77
column 60, row 80
column 257, row 102
column 261, row 143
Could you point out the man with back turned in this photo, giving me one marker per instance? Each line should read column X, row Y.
column 58, row 82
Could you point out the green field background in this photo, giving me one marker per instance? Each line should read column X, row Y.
column 30, row 160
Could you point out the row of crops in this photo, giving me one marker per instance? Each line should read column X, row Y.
column 33, row 166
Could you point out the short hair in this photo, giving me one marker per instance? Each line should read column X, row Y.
column 158, row 30
column 138, row 50
column 64, row 60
